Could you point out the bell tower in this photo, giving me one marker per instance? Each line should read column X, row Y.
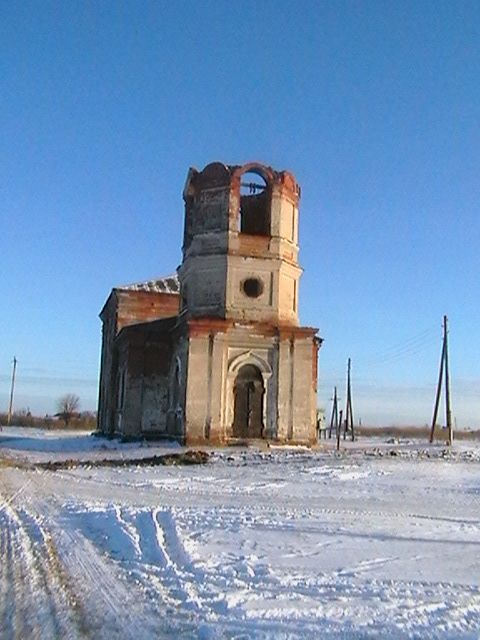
column 240, row 248
column 249, row 369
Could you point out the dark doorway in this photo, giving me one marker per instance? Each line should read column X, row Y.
column 248, row 408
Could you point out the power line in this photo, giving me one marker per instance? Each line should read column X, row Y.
column 51, row 380
column 410, row 348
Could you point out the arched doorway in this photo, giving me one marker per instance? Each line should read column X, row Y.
column 248, row 403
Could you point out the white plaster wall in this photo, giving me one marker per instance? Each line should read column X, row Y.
column 304, row 392
column 218, row 375
column 197, row 388
column 284, row 390
column 275, row 304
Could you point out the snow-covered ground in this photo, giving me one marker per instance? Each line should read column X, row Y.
column 278, row 543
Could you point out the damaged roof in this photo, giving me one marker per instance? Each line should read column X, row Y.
column 169, row 284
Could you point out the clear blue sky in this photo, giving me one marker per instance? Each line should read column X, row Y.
column 374, row 106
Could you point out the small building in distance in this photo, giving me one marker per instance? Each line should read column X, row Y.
column 215, row 353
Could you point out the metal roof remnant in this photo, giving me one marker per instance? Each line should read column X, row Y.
column 169, row 284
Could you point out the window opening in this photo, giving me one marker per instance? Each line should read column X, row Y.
column 252, row 287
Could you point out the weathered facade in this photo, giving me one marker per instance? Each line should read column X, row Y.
column 216, row 353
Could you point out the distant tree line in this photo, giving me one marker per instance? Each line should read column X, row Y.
column 418, row 433
column 24, row 418
column 67, row 415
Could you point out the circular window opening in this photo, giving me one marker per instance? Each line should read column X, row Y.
column 252, row 287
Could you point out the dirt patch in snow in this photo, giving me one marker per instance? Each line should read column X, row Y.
column 190, row 457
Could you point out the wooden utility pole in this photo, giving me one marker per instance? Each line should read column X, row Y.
column 338, row 430
column 448, row 410
column 334, row 417
column 350, row 410
column 348, row 405
column 443, row 367
column 10, row 406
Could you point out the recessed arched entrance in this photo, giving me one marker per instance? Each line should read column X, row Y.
column 248, row 403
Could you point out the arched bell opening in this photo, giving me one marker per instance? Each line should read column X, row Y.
column 255, row 200
column 249, row 392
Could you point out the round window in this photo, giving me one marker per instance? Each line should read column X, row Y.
column 252, row 287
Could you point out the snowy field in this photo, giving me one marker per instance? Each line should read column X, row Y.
column 381, row 541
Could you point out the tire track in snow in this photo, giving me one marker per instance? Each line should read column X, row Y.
column 34, row 602
column 163, row 564
column 41, row 603
column 413, row 609
column 7, row 581
column 114, row 599
column 180, row 562
column 113, row 604
column 162, row 555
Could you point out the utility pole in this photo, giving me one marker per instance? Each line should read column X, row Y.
column 448, row 410
column 443, row 367
column 338, row 430
column 348, row 404
column 334, row 418
column 10, row 406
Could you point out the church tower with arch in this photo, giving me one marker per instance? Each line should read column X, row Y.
column 232, row 364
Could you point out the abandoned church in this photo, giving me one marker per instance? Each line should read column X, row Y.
column 215, row 353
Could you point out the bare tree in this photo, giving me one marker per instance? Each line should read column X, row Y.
column 67, row 406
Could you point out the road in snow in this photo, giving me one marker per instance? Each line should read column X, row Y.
column 254, row 544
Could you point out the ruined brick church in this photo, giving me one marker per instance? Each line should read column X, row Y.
column 215, row 352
